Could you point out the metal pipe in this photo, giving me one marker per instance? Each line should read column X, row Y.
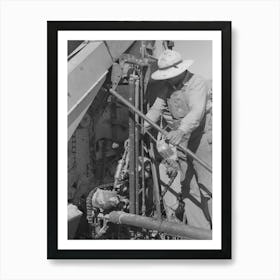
column 171, row 228
column 158, row 128
column 143, row 210
column 131, row 148
column 136, row 147
column 155, row 180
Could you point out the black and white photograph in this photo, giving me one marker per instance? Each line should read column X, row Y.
column 139, row 140
column 139, row 126
column 130, row 172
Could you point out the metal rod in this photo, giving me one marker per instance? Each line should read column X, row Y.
column 143, row 210
column 155, row 180
column 171, row 228
column 136, row 147
column 131, row 148
column 180, row 147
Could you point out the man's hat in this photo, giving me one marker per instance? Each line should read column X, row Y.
column 170, row 65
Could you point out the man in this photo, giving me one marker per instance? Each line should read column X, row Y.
column 184, row 105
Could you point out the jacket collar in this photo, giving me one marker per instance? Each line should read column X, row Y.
column 186, row 79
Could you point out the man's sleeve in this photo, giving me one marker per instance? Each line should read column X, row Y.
column 197, row 98
column 155, row 111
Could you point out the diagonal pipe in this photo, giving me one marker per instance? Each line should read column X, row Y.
column 158, row 128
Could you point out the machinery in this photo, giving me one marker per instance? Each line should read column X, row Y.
column 113, row 176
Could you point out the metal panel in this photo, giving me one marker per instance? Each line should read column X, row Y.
column 76, row 114
column 86, row 73
column 116, row 48
column 85, row 69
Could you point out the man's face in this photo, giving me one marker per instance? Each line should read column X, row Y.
column 176, row 80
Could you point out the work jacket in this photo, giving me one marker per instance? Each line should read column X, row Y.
column 186, row 107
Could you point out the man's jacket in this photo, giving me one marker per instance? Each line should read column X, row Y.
column 185, row 107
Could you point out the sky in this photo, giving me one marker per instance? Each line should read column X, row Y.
column 198, row 50
column 201, row 52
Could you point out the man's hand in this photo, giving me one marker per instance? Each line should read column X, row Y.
column 146, row 127
column 175, row 137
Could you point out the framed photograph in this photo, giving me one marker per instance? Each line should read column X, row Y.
column 139, row 140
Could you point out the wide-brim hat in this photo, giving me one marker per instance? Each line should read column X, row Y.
column 170, row 65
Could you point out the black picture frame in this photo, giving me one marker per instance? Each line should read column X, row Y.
column 52, row 126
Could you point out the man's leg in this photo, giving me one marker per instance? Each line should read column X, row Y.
column 170, row 200
column 204, row 177
column 190, row 190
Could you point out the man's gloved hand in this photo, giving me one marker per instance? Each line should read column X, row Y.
column 145, row 130
column 146, row 127
column 175, row 136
